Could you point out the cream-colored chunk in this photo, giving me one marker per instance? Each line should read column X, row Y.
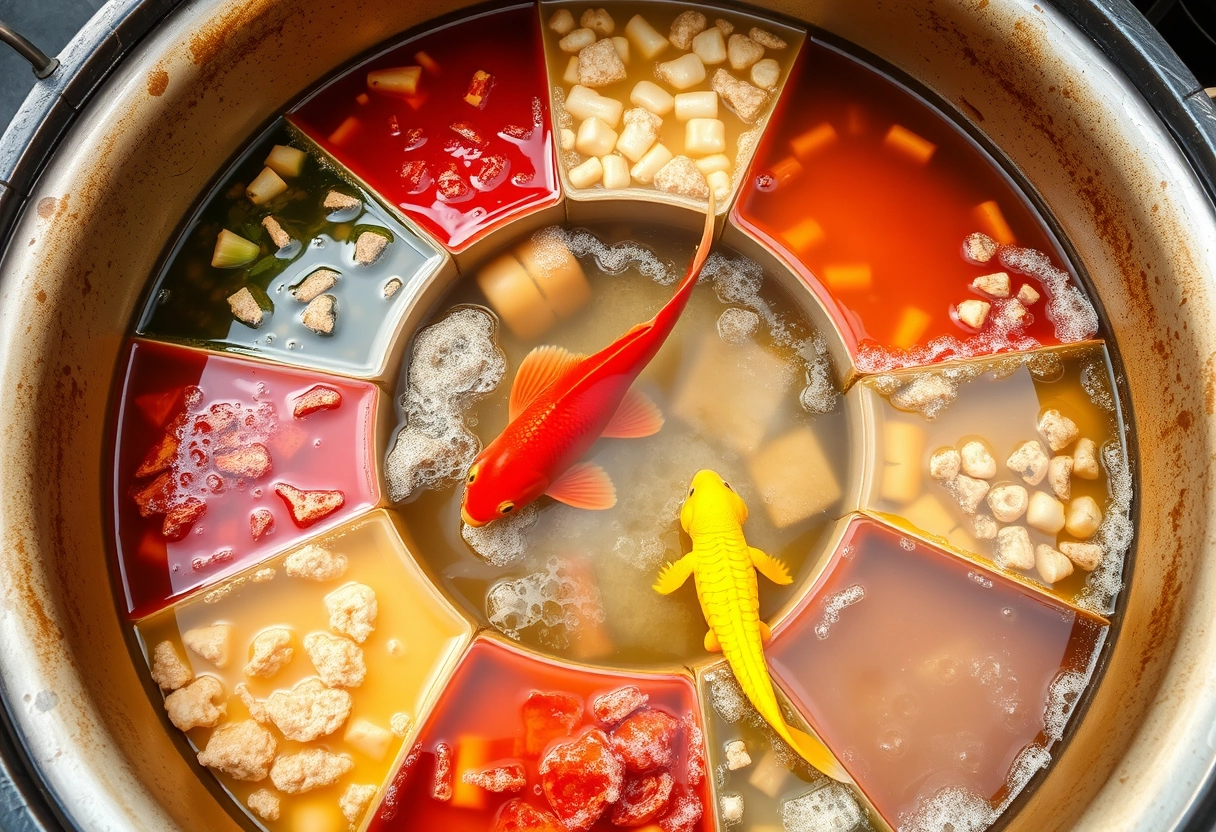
column 576, row 41
column 312, row 768
column 649, row 43
column 1083, row 518
column 271, row 651
column 245, row 308
column 1051, row 564
column 720, row 183
column 595, row 138
column 1045, row 513
column 1057, row 429
column 321, row 314
column 1008, row 502
column 570, row 76
column 766, row 73
column 265, row 804
column 977, row 460
column 713, row 164
column 197, row 705
column 368, row 738
column 923, row 392
column 562, row 22
column 1013, row 313
column 995, row 285
column 680, row 176
column 979, row 248
column 732, row 809
column 742, row 52
column 1087, row 556
column 945, row 464
column 315, row 285
column 242, row 750
column 685, row 27
column 1059, row 476
column 704, row 137
column 973, row 313
column 622, row 48
column 652, row 97
column 737, row 756
column 339, row 661
column 567, row 139
column 1029, row 462
column 274, row 228
column 369, row 246
column 682, row 73
column 598, row 21
column 355, row 800
column 352, row 611
column 316, row 563
column 584, row 102
column 710, row 46
column 985, row 527
column 1028, row 295
column 1085, row 460
column 766, row 39
column 600, row 64
column 256, row 707
column 746, row 100
column 1012, row 549
column 211, row 643
column 702, row 104
column 649, row 165
column 168, row 670
column 969, row 492
column 616, row 172
column 338, row 201
column 725, row 26
column 586, row 174
column 309, row 710
column 640, row 133
column 400, row 723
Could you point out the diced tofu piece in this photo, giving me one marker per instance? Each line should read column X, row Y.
column 1051, row 564
column 984, row 526
column 315, row 563
column 576, row 41
column 570, row 76
column 991, row 220
column 710, row 46
column 400, row 723
column 926, row 391
column 681, row 177
column 616, row 172
column 720, row 183
column 737, row 756
column 397, row 80
column 766, row 73
column 595, row 138
column 977, row 460
column 352, row 611
column 339, row 661
column 929, row 514
column 264, row 804
column 813, row 140
column 1045, row 513
column 243, row 750
column 747, row 101
column 911, row 326
column 515, row 297
column 649, row 43
column 1028, row 295
column 903, row 448
column 906, row 143
column 210, row 643
column 391, row 286
column 321, row 314
column 1057, row 429
column 233, row 251
column 696, row 105
column 1087, row 556
column 556, row 272
column 1008, row 502
column 685, row 27
column 562, row 22
column 566, row 139
column 355, row 800
column 312, row 768
column 1085, row 460
column 1059, row 476
column 650, row 164
column 600, row 65
column 285, row 160
column 716, row 162
column 847, row 277
column 198, row 705
column 979, row 247
column 766, row 39
column 945, row 464
column 794, row 478
column 584, row 102
column 1029, row 462
column 683, row 72
column 622, row 48
column 973, row 313
column 308, row 710
column 732, row 807
column 704, row 136
column 277, row 235
column 969, row 492
column 586, row 174
column 742, row 52
column 1012, row 549
column 368, row 247
column 725, row 26
column 1083, row 518
column 640, row 133
column 598, row 21
column 769, row 776
column 651, row 96
column 368, row 738
column 315, row 285
column 168, row 670
column 338, row 201
column 995, row 285
column 803, row 236
column 271, row 651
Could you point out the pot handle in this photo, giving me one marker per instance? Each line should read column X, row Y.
column 43, row 66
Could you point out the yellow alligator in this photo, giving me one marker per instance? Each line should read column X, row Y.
column 725, row 567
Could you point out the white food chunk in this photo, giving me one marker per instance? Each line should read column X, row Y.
column 645, row 38
column 265, row 804
column 315, row 285
column 725, row 26
column 732, row 808
column 321, row 314
column 1014, row 313
column 995, row 285
column 683, row 72
column 979, row 248
column 720, row 183
column 970, row 492
column 696, row 105
column 704, row 137
column 245, row 308
column 945, row 464
column 355, row 800
column 977, row 460
column 256, row 708
column 737, row 756
column 1052, row 565
column 1008, row 502
column 369, row 246
column 197, row 705
column 168, row 670
column 1085, row 460
column 710, row 46
column 985, row 527
column 567, row 139
column 271, row 651
column 1083, row 518
column 714, row 164
column 315, row 563
column 338, row 201
column 766, row 39
column 766, row 74
column 650, row 164
column 1029, row 461
column 399, row 723
column 1045, row 513
column 309, row 710
column 640, row 133
column 562, row 22
column 923, row 392
column 742, row 52
column 746, row 100
column 277, row 235
column 1057, row 429
column 576, row 41
column 1028, row 295
column 622, row 48
column 584, row 102
column 973, row 313
column 595, row 138
column 680, row 176
column 339, row 661
column 651, row 96
column 1059, row 476
column 312, row 768
column 570, row 76
column 1012, row 549
column 586, row 174
column 598, row 21
column 368, row 738
column 210, row 643
column 616, row 172
column 242, row 750
column 685, row 27
column 1087, row 556
column 600, row 65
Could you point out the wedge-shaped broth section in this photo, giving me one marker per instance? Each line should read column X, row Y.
column 916, row 241
column 1018, row 459
column 940, row 686
column 297, row 680
column 451, row 126
column 289, row 260
column 518, row 742
column 221, row 461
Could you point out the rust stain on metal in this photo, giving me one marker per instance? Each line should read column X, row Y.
column 46, row 207
column 158, row 82
column 1209, row 385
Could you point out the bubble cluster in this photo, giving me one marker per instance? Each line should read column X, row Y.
column 1072, row 315
column 1031, row 759
column 455, row 362
column 553, row 600
column 951, row 809
column 727, row 696
column 505, row 541
column 1062, row 698
column 1114, row 535
column 614, row 259
column 736, row 326
column 1095, row 382
column 829, row 808
column 832, row 606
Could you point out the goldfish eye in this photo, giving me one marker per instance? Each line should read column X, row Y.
column 506, row 507
column 690, row 491
column 472, row 476
column 728, row 488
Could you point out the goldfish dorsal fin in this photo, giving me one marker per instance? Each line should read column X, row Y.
column 539, row 369
column 585, row 485
column 770, row 567
column 637, row 416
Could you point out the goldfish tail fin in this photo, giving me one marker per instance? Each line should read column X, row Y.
column 770, row 567
column 812, row 749
column 673, row 575
column 671, row 311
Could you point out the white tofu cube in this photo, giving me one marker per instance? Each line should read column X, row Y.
column 977, row 460
column 766, row 74
column 1051, row 564
column 696, row 105
column 640, row 133
column 685, row 27
column 584, row 102
column 1059, row 476
column 600, row 65
column 769, row 775
column 652, row 97
column 984, row 526
column 622, row 48
column 720, row 183
column 979, row 247
column 737, row 756
column 945, row 464
column 793, row 476
column 732, row 804
column 567, row 139
column 710, row 46
column 995, row 285
column 595, row 138
column 1083, row 517
column 368, row 738
column 649, row 43
column 1087, row 556
column 571, row 74
column 598, row 21
column 742, row 52
column 1012, row 549
column 1057, row 429
column 576, row 41
column 973, row 313
column 562, row 22
column 586, row 174
column 682, row 73
column 650, row 164
column 1045, row 513
column 1085, row 460
column 704, row 136
column 1028, row 295
column 903, row 448
column 1008, row 502
column 1029, row 462
column 616, row 172
column 969, row 492
column 714, row 163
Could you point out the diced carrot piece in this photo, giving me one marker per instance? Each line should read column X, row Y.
column 992, row 221
column 472, row 754
column 905, row 142
column 362, row 98
column 346, row 130
column 803, row 236
column 416, row 101
column 912, row 325
column 428, row 63
column 786, row 170
column 847, row 277
column 397, row 80
column 813, row 140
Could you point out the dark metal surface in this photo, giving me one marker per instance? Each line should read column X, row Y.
column 41, row 63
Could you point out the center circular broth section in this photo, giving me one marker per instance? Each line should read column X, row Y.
column 744, row 386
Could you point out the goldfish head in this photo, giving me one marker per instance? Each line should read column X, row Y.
column 711, row 500
column 496, row 486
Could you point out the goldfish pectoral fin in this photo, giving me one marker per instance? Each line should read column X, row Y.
column 539, row 369
column 637, row 416
column 766, row 633
column 673, row 575
column 585, row 485
column 817, row 754
column 711, row 643
column 770, row 567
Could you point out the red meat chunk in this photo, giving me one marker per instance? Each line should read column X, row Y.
column 181, row 517
column 646, row 740
column 581, row 779
column 547, row 717
column 155, row 497
column 307, row 507
column 468, row 132
column 250, row 462
column 610, row 708
column 441, row 785
column 260, row 522
column 643, row 799
column 517, row 816
column 451, row 187
column 510, row 777
column 416, row 176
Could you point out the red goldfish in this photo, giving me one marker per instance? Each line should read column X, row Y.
column 561, row 403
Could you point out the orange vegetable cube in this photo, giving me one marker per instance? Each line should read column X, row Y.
column 847, row 277
column 472, row 754
column 993, row 223
column 905, row 142
column 911, row 326
column 345, row 131
column 803, row 236
column 786, row 170
column 397, row 80
column 427, row 62
column 362, row 98
column 813, row 140
column 479, row 89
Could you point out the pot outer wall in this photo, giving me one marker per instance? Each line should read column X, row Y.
column 1024, row 76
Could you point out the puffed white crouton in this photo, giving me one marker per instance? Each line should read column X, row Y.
column 576, row 41
column 742, row 52
column 316, row 563
column 264, row 804
column 210, row 643
column 640, row 133
column 338, row 201
column 243, row 750
column 1028, row 295
column 256, row 707
column 1083, row 518
column 710, row 46
column 1045, row 513
column 1029, row 462
column 685, row 27
column 277, row 235
column 355, row 800
column 979, row 247
column 315, row 285
column 1012, row 549
column 586, row 174
column 197, row 705
column 650, row 164
column 594, row 138
column 312, row 768
column 339, row 661
column 309, row 710
column 271, row 650
column 1085, row 459
column 680, row 176
column 567, row 139
column 766, row 73
column 368, row 247
column 737, row 756
column 995, row 285
column 562, row 22
column 600, row 64
column 725, row 26
column 598, row 21
column 1008, row 502
column 732, row 808
column 969, row 492
column 747, row 101
column 1059, row 476
column 1088, row 556
column 399, row 723
column 321, row 314
column 683, row 72
column 245, row 308
column 766, row 39
column 616, row 172
column 945, row 464
column 644, row 36
column 1057, row 429
column 977, row 460
column 984, row 527
column 168, row 670
column 369, row 738
column 652, row 97
column 352, row 611
column 973, row 313
column 1051, row 564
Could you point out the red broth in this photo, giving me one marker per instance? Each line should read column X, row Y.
column 237, row 441
column 457, row 169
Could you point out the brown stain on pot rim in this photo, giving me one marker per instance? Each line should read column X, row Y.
column 158, row 82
